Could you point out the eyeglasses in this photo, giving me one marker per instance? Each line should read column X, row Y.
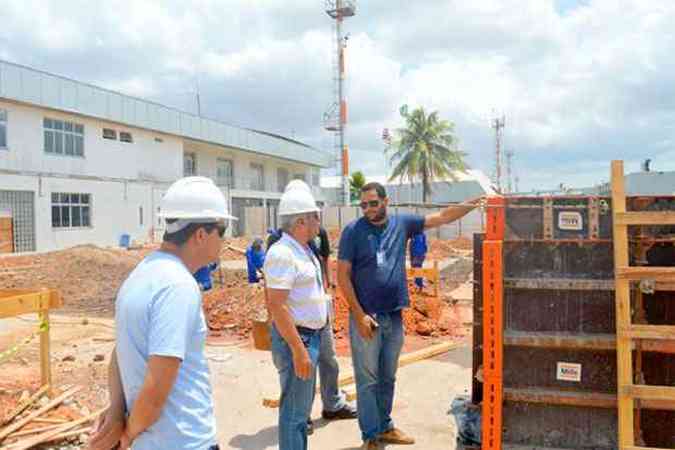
column 371, row 204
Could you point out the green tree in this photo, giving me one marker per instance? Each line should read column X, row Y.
column 356, row 182
column 425, row 149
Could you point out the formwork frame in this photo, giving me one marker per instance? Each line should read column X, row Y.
column 630, row 390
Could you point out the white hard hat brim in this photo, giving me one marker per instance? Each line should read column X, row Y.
column 186, row 215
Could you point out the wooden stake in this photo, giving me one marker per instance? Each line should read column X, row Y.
column 17, row 425
column 20, row 408
column 49, row 435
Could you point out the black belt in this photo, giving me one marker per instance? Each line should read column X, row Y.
column 305, row 330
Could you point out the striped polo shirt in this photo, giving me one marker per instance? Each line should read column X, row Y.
column 293, row 267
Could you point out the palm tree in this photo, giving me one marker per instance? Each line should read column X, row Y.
column 356, row 182
column 425, row 150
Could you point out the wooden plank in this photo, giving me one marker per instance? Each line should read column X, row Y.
column 583, row 399
column 49, row 435
column 625, row 272
column 554, row 397
column 644, row 448
column 623, row 314
column 21, row 407
column 68, row 434
column 641, row 391
column 556, row 340
column 20, row 423
column 646, row 218
column 404, row 360
column 28, row 302
column 48, row 420
column 34, row 430
column 649, row 332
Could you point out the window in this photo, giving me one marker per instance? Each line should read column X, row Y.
column 109, row 133
column 258, row 177
column 189, row 164
column 63, row 137
column 71, row 210
column 3, row 128
column 126, row 137
column 224, row 174
column 282, row 179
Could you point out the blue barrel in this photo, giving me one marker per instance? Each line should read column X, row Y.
column 125, row 239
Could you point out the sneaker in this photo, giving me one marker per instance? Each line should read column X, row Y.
column 346, row 412
column 395, row 436
column 310, row 427
column 370, row 445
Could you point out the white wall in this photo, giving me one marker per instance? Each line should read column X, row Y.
column 114, row 210
column 144, row 158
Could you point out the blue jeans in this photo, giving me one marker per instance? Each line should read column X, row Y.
column 332, row 398
column 375, row 363
column 297, row 395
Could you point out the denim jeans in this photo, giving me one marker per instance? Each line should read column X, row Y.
column 331, row 396
column 297, row 395
column 375, row 363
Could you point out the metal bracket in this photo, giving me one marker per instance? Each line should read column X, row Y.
column 548, row 218
column 593, row 218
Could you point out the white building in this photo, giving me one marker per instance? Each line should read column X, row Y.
column 80, row 164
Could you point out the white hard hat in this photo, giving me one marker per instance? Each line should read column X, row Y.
column 297, row 199
column 194, row 198
column 297, row 184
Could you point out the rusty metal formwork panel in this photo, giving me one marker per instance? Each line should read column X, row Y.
column 559, row 360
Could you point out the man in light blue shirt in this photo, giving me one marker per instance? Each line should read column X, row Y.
column 159, row 383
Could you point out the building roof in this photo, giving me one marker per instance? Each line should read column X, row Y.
column 30, row 86
column 333, row 182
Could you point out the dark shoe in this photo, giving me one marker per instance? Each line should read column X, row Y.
column 396, row 436
column 370, row 445
column 310, row 427
column 346, row 412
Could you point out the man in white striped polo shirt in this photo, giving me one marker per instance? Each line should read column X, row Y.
column 297, row 303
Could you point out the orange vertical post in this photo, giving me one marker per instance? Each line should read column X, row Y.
column 493, row 325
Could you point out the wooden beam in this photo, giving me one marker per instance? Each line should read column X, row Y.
column 555, row 340
column 553, row 397
column 623, row 314
column 35, row 430
column 49, row 435
column 404, row 360
column 649, row 332
column 20, row 423
column 643, row 448
column 646, row 218
column 14, row 302
column 21, row 407
column 645, row 392
column 624, row 272
column 69, row 434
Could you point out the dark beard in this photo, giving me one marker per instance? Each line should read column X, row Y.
column 381, row 214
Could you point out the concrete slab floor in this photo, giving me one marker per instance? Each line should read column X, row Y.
column 424, row 391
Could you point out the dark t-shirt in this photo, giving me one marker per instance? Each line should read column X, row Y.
column 379, row 281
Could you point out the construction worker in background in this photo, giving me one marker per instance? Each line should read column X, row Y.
column 334, row 401
column 372, row 276
column 160, row 391
column 255, row 258
column 203, row 276
column 418, row 251
column 297, row 303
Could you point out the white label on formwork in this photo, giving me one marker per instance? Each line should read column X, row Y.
column 569, row 372
column 569, row 220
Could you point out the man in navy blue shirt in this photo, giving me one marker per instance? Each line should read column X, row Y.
column 372, row 276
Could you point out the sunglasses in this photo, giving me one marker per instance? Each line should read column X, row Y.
column 370, row 204
column 221, row 227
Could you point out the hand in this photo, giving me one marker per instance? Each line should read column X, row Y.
column 109, row 428
column 366, row 326
column 125, row 441
column 302, row 363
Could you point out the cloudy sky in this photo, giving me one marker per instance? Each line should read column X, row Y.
column 579, row 81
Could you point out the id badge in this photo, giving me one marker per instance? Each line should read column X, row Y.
column 380, row 258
